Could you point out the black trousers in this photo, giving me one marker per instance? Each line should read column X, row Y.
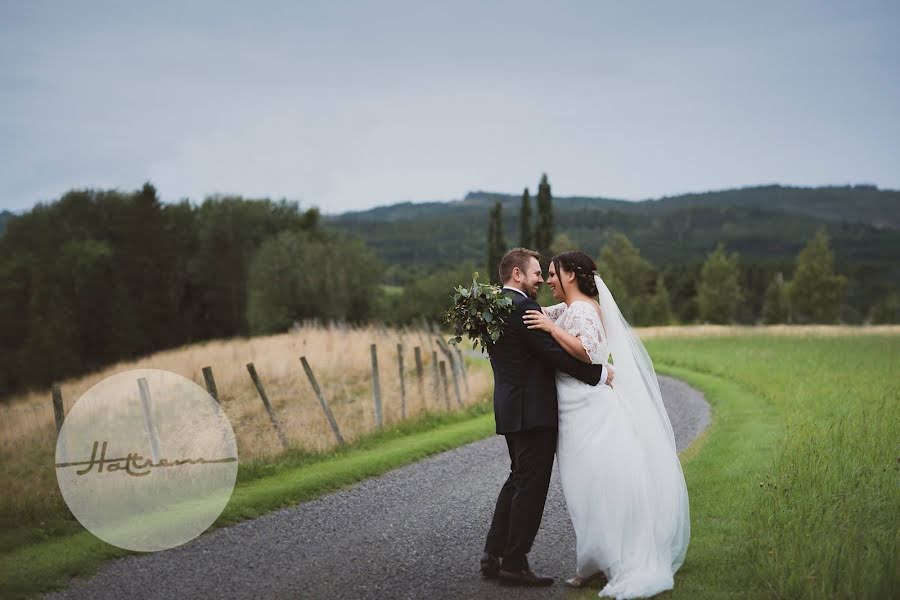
column 520, row 504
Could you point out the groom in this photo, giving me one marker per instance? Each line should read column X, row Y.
column 525, row 363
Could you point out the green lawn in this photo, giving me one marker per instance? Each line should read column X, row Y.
column 795, row 491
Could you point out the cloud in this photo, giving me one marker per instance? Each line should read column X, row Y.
column 349, row 105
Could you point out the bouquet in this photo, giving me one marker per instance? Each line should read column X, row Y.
column 478, row 312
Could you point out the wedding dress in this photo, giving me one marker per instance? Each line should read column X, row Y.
column 619, row 468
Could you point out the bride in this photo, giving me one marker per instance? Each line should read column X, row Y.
column 620, row 472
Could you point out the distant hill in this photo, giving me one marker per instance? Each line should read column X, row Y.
column 4, row 217
column 854, row 204
column 765, row 224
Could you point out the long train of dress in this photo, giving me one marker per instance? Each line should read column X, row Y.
column 625, row 495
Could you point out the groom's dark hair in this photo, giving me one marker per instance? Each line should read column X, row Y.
column 517, row 257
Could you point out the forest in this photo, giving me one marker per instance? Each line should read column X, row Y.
column 763, row 231
column 99, row 276
column 102, row 276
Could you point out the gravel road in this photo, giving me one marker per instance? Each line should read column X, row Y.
column 415, row 532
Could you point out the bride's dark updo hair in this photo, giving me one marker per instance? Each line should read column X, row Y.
column 582, row 265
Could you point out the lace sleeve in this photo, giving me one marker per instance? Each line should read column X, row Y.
column 554, row 311
column 585, row 324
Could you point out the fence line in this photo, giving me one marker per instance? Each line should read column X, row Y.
column 43, row 421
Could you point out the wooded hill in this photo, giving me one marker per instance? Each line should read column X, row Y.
column 767, row 226
column 763, row 224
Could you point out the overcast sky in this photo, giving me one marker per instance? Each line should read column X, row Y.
column 348, row 105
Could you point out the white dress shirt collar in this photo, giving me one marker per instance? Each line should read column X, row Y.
column 506, row 287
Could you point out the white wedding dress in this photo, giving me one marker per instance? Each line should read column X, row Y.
column 620, row 472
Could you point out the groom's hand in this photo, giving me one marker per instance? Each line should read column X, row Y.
column 610, row 374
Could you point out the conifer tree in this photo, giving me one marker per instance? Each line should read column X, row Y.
column 496, row 243
column 525, row 233
column 543, row 232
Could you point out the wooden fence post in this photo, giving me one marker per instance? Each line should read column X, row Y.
column 58, row 411
column 322, row 403
column 402, row 382
column 149, row 424
column 211, row 384
column 453, row 367
column 420, row 375
column 376, row 388
column 446, row 387
column 265, row 398
column 462, row 368
column 436, row 378
column 456, row 387
column 445, row 350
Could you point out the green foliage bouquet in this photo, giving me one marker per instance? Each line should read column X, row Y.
column 478, row 312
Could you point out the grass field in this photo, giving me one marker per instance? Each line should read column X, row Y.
column 795, row 489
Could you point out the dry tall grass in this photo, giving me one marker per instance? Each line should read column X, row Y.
column 339, row 356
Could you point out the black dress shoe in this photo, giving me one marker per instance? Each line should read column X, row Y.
column 490, row 566
column 523, row 577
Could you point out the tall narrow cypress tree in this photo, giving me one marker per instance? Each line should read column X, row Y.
column 543, row 232
column 525, row 233
column 496, row 242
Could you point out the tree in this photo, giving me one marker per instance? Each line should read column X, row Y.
column 297, row 275
column 886, row 310
column 719, row 291
column 229, row 231
column 525, row 233
column 776, row 308
column 628, row 276
column 816, row 293
column 543, row 232
column 659, row 310
column 496, row 243
column 682, row 288
column 146, row 262
column 102, row 276
column 429, row 296
column 561, row 243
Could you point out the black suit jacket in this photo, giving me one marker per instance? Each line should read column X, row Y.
column 525, row 363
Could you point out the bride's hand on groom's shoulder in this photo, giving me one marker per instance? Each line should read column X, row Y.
column 536, row 319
